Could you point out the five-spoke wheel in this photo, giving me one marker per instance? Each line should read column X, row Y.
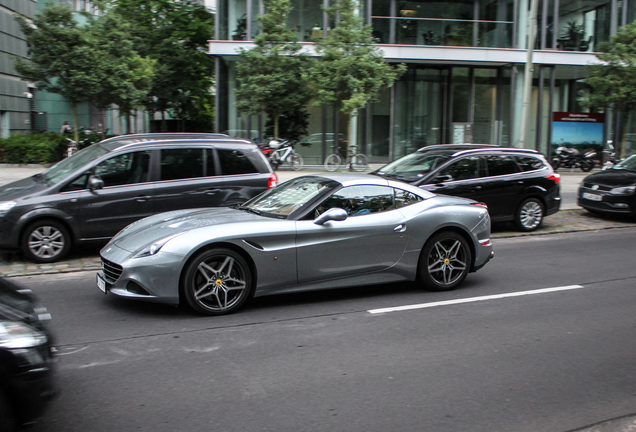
column 445, row 261
column 46, row 241
column 529, row 215
column 217, row 282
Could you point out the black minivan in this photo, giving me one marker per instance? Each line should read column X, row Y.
column 101, row 189
column 518, row 185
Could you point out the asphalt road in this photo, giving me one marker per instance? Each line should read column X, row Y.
column 485, row 361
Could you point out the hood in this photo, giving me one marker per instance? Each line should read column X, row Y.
column 21, row 188
column 157, row 227
column 612, row 178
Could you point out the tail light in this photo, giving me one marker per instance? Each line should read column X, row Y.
column 555, row 177
column 272, row 182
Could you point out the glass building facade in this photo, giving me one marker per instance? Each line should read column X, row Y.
column 465, row 78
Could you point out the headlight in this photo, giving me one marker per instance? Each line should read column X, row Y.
column 155, row 247
column 19, row 335
column 627, row 190
column 5, row 206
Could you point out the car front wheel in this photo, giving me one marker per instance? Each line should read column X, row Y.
column 217, row 282
column 445, row 261
column 529, row 215
column 46, row 241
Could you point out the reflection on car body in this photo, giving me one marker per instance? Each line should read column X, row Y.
column 312, row 232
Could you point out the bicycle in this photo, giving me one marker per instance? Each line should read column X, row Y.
column 355, row 161
column 284, row 152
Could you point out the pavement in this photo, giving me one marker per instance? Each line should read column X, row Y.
column 570, row 219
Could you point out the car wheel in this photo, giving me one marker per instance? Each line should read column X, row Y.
column 529, row 215
column 46, row 241
column 217, row 282
column 445, row 261
column 7, row 418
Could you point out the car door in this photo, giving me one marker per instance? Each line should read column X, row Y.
column 242, row 179
column 187, row 179
column 371, row 239
column 502, row 186
column 125, row 197
column 462, row 177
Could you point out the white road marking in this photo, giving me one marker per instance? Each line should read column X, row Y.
column 473, row 299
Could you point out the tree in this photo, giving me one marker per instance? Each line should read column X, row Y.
column 175, row 33
column 270, row 75
column 61, row 58
column 351, row 70
column 613, row 82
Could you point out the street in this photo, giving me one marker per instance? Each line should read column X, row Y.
column 542, row 361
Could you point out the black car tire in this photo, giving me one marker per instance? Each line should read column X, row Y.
column 46, row 241
column 529, row 215
column 7, row 418
column 445, row 261
column 217, row 282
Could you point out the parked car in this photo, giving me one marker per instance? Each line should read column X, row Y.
column 93, row 194
column 612, row 190
column 26, row 357
column 517, row 185
column 311, row 232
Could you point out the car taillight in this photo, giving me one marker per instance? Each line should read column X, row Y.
column 480, row 204
column 555, row 177
column 272, row 182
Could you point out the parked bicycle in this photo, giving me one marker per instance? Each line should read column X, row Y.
column 355, row 161
column 283, row 152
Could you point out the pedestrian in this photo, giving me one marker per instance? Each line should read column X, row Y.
column 65, row 128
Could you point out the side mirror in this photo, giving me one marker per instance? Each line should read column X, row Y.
column 442, row 178
column 335, row 214
column 95, row 183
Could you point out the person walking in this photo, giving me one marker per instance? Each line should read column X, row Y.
column 65, row 128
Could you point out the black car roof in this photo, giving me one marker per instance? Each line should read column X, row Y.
column 461, row 149
column 114, row 145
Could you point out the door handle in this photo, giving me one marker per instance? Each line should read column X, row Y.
column 400, row 228
column 142, row 198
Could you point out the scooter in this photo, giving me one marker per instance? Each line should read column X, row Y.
column 573, row 158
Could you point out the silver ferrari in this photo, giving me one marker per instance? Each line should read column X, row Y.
column 312, row 232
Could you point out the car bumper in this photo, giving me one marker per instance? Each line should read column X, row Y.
column 154, row 278
column 605, row 202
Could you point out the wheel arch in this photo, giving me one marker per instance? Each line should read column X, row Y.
column 220, row 245
column 26, row 222
column 458, row 230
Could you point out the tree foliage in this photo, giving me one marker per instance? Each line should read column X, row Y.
column 351, row 69
column 270, row 75
column 613, row 81
column 175, row 33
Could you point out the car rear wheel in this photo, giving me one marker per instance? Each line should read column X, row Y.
column 445, row 261
column 529, row 215
column 217, row 282
column 46, row 241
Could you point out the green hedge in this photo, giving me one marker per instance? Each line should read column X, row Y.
column 33, row 149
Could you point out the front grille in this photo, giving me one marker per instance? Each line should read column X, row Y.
column 111, row 271
column 600, row 188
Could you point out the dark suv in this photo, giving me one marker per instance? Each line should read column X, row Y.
column 517, row 185
column 101, row 189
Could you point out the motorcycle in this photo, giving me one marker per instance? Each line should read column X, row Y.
column 573, row 158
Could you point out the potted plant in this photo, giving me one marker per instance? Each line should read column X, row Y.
column 572, row 34
column 241, row 28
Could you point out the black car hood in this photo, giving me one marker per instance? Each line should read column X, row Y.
column 21, row 188
column 612, row 178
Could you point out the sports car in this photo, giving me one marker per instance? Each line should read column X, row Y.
column 312, row 232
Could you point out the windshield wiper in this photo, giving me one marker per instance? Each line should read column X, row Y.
column 250, row 210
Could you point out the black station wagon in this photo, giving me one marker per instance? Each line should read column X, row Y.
column 517, row 185
column 93, row 194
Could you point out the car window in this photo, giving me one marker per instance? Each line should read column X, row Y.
column 359, row 200
column 414, row 166
column 127, row 168
column 235, row 162
column 181, row 163
column 501, row 165
column 404, row 198
column 529, row 163
column 463, row 169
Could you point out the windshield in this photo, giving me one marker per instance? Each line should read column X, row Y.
column 628, row 164
column 281, row 201
column 60, row 170
column 414, row 166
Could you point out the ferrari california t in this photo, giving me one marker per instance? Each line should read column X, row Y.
column 312, row 232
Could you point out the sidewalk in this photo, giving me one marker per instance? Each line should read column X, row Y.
column 570, row 219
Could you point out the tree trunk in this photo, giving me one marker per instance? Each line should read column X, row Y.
column 276, row 117
column 75, row 128
column 164, row 126
column 623, row 129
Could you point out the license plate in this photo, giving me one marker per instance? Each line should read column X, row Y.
column 592, row 197
column 101, row 283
